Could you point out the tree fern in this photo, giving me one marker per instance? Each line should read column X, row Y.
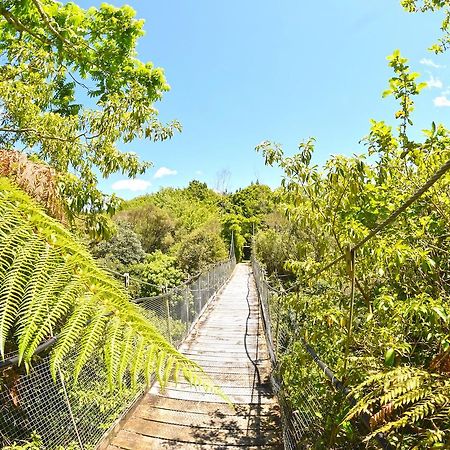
column 33, row 331
column 58, row 309
column 50, row 285
column 406, row 397
column 126, row 352
column 91, row 339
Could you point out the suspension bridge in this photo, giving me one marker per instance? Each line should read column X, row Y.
column 216, row 320
column 228, row 342
column 230, row 321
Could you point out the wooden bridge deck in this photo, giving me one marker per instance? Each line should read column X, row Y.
column 184, row 417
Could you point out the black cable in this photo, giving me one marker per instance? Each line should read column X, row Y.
column 254, row 363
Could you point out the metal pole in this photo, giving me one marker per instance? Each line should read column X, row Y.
column 169, row 331
column 126, row 278
column 186, row 299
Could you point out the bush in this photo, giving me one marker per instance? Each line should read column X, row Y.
column 201, row 248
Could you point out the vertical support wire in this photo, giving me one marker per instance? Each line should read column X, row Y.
column 351, row 259
column 277, row 327
column 72, row 418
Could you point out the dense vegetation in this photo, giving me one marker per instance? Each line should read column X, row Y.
column 53, row 56
column 397, row 334
column 164, row 238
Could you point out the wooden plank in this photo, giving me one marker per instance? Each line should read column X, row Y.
column 211, row 420
column 183, row 417
column 231, row 435
column 131, row 441
column 198, row 407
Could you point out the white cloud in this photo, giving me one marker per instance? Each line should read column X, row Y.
column 434, row 82
column 430, row 63
column 441, row 101
column 198, row 172
column 134, row 185
column 164, row 172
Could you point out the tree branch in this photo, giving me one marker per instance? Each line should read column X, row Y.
column 37, row 132
column 47, row 22
column 19, row 26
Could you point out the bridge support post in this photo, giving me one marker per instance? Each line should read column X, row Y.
column 169, row 331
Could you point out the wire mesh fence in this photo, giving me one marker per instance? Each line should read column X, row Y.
column 303, row 424
column 76, row 416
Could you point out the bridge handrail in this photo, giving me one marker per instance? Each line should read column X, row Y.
column 293, row 428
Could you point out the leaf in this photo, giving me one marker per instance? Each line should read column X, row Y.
column 389, row 357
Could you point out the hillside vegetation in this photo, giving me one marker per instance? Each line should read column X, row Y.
column 163, row 238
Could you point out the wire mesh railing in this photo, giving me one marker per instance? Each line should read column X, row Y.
column 316, row 402
column 77, row 416
column 304, row 424
column 295, row 422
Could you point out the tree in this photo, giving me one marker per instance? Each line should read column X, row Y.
column 200, row 248
column 200, row 192
column 53, row 56
column 154, row 225
column 161, row 271
column 255, row 200
column 124, row 247
column 399, row 341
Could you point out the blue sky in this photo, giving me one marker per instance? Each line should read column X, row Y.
column 245, row 71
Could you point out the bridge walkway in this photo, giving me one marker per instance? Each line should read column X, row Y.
column 229, row 344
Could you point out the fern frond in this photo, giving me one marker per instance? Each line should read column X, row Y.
column 59, row 305
column 92, row 335
column 34, row 306
column 159, row 367
column 51, row 286
column 150, row 363
column 137, row 364
column 126, row 352
column 112, row 349
column 405, row 397
column 13, row 286
column 71, row 332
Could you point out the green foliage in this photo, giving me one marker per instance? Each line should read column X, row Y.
column 415, row 6
column 34, row 444
column 406, row 398
column 201, row 248
column 50, row 285
column 232, row 229
column 274, row 248
column 183, row 223
column 154, row 225
column 172, row 220
column 53, row 51
column 401, row 318
column 124, row 247
column 160, row 270
column 254, row 201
